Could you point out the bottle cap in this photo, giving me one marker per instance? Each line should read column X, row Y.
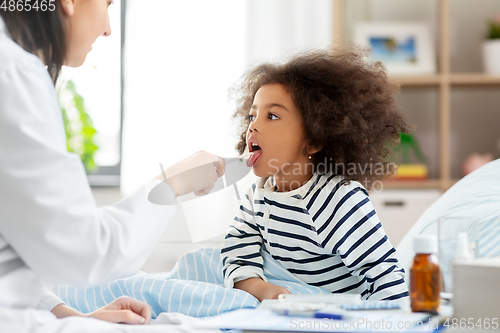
column 425, row 244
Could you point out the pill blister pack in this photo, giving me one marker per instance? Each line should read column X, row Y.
column 371, row 305
column 322, row 302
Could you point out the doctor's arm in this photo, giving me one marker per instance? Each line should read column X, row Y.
column 49, row 216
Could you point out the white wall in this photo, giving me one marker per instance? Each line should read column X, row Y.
column 175, row 242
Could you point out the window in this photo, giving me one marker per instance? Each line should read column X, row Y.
column 99, row 82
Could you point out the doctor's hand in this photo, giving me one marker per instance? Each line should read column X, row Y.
column 197, row 173
column 124, row 310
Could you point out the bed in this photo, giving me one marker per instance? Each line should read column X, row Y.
column 196, row 288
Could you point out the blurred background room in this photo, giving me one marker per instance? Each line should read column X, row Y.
column 158, row 90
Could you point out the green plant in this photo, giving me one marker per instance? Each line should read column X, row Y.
column 407, row 144
column 493, row 29
column 80, row 131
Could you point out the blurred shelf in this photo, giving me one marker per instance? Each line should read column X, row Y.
column 474, row 79
column 443, row 82
column 417, row 80
column 430, row 183
column 453, row 79
column 443, row 185
column 452, row 182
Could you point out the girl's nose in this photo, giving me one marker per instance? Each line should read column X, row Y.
column 253, row 126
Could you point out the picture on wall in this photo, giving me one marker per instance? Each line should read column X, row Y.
column 404, row 48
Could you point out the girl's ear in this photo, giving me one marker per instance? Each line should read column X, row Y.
column 313, row 150
column 68, row 7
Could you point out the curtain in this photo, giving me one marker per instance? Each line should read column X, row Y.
column 181, row 56
column 276, row 28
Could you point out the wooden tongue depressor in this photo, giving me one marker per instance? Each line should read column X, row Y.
column 245, row 154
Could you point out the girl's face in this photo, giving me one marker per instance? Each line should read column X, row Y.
column 275, row 136
column 85, row 21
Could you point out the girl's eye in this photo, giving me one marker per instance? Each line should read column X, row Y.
column 250, row 117
column 273, row 116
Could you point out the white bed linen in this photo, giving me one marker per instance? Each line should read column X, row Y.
column 38, row 321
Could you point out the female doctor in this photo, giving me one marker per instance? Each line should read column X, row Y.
column 50, row 227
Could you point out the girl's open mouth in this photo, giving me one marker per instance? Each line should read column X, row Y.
column 254, row 157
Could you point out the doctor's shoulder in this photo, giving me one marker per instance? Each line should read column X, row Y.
column 13, row 58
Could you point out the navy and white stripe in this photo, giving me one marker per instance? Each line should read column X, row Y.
column 326, row 233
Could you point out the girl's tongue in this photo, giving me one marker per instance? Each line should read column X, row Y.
column 254, row 158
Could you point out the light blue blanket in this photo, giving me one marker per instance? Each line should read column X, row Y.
column 195, row 287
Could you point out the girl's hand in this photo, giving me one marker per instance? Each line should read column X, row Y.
column 197, row 173
column 261, row 289
column 272, row 291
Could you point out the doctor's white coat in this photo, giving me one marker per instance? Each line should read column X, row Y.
column 50, row 227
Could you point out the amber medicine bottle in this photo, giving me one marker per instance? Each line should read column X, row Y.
column 425, row 282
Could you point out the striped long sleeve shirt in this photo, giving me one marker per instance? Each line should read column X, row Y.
column 326, row 233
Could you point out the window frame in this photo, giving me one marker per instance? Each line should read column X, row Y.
column 110, row 175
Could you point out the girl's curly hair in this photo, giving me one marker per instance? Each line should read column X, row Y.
column 347, row 105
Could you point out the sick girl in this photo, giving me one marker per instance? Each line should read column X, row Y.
column 320, row 129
